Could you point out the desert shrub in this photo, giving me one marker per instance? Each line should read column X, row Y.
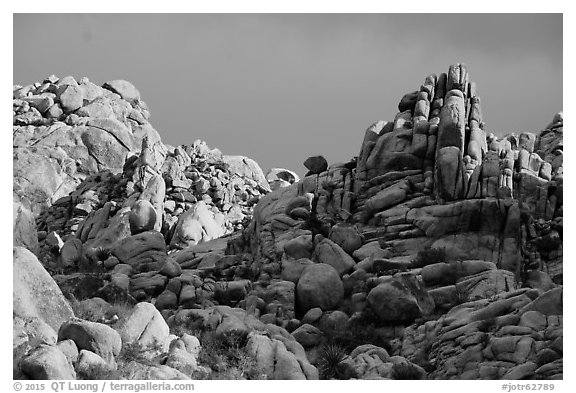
column 59, row 270
column 120, row 309
column 151, row 355
column 429, row 257
column 225, row 297
column 234, row 339
column 85, row 311
column 91, row 265
column 227, row 357
column 75, row 262
column 405, row 371
column 193, row 324
column 363, row 328
column 330, row 356
column 359, row 335
column 91, row 313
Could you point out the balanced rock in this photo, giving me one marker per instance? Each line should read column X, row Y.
column 142, row 217
column 316, row 165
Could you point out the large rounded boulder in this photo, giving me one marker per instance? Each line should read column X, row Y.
column 319, row 286
column 35, row 294
column 92, row 336
column 142, row 217
column 316, row 165
column 391, row 301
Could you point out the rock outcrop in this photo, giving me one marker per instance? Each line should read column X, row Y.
column 436, row 253
column 506, row 337
column 434, row 179
column 65, row 130
column 32, row 282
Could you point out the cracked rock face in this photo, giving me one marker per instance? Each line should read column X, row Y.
column 435, row 176
column 87, row 128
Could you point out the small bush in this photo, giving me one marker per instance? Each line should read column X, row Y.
column 227, row 357
column 330, row 356
column 151, row 355
column 429, row 257
column 360, row 331
column 88, row 313
column 91, row 313
column 120, row 309
column 235, row 339
column 405, row 371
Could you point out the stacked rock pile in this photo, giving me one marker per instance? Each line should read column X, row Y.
column 65, row 130
column 515, row 335
column 430, row 179
column 193, row 185
column 84, row 153
column 436, row 253
column 50, row 342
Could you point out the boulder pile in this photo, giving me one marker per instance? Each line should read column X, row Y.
column 65, row 130
column 436, row 253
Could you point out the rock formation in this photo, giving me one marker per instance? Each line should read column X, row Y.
column 435, row 253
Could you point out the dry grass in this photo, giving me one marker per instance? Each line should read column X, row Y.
column 227, row 358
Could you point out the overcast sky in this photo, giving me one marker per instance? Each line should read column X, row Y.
column 281, row 87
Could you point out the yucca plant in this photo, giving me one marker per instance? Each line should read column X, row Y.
column 102, row 253
column 330, row 356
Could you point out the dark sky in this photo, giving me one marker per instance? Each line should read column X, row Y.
column 281, row 87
